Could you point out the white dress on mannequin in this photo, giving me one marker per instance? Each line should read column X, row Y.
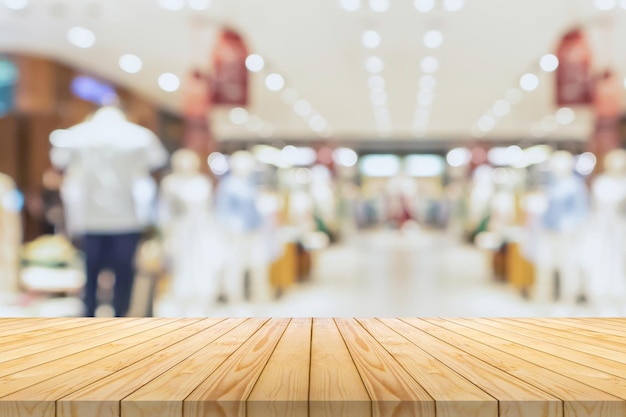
column 189, row 233
column 10, row 234
column 605, row 241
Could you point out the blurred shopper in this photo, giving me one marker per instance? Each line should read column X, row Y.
column 112, row 194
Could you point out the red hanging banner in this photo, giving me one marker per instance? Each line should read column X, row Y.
column 230, row 75
column 573, row 76
column 196, row 108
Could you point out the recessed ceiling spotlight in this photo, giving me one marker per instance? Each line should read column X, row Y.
column 81, row 37
column 351, row 5
column 433, row 39
column 374, row 65
column 274, row 82
column 16, row 4
column 529, row 82
column 549, row 62
column 424, row 5
column 169, row 82
column 430, row 64
column 453, row 5
column 370, row 39
column 254, row 62
column 379, row 5
column 130, row 63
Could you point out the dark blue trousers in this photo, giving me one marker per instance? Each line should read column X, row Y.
column 115, row 252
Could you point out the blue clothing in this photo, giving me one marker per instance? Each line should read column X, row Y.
column 235, row 205
column 568, row 204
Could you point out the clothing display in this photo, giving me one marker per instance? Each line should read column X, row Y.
column 110, row 191
column 10, row 234
column 189, row 233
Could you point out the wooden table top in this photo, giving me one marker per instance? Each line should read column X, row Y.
column 312, row 367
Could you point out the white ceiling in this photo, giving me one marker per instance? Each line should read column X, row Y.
column 316, row 46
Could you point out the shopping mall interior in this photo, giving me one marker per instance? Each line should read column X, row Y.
column 335, row 158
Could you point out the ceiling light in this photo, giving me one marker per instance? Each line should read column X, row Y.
column 255, row 63
column 605, row 4
column 379, row 5
column 529, row 82
column 238, row 116
column 370, row 39
column 501, row 108
column 130, row 63
column 458, row 157
column 345, row 157
column 514, row 96
column 565, row 115
column 302, row 107
column 549, row 62
column 486, row 123
column 428, row 82
column 351, row 5
column 453, row 5
column 425, row 98
column 430, row 64
column 317, row 123
column 586, row 163
column 622, row 4
column 218, row 163
column 169, row 82
column 433, row 39
column 424, row 5
column 289, row 95
column 374, row 65
column 376, row 83
column 379, row 98
column 16, row 4
column 171, row 4
column 199, row 4
column 81, row 37
column 275, row 82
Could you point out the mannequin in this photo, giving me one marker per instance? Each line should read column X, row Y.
column 241, row 222
column 109, row 159
column 10, row 234
column 566, row 211
column 605, row 241
column 188, row 232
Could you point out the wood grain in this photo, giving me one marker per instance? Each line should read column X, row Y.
column 256, row 367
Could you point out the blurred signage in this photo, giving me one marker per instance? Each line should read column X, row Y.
column 380, row 165
column 196, row 109
column 9, row 75
column 230, row 75
column 573, row 75
column 93, row 90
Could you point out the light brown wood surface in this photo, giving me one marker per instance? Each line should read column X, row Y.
column 312, row 367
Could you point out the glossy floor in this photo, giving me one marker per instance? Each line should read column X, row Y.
column 391, row 274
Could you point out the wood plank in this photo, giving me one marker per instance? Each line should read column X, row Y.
column 336, row 388
column 225, row 391
column 578, row 399
column 77, row 371
column 283, row 387
column 57, row 338
column 532, row 350
column 592, row 345
column 516, row 398
column 454, row 395
column 582, row 326
column 15, row 338
column 102, row 398
column 45, row 365
column 596, row 327
column 391, row 388
column 27, row 358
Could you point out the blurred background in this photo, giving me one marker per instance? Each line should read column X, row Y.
column 312, row 158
